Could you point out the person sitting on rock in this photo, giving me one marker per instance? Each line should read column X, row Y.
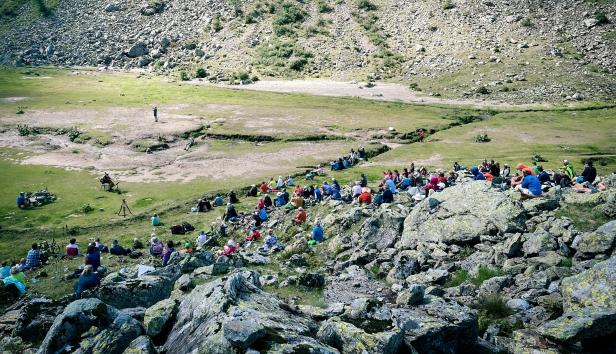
column 280, row 201
column 202, row 239
column 253, row 191
column 267, row 201
column 280, row 183
column 388, row 196
column 219, row 201
column 477, row 175
column 87, row 280
column 365, row 197
column 506, row 171
column 155, row 220
column 233, row 197
column 589, row 174
column 297, row 201
column 230, row 248
column 167, row 251
column 188, row 247
column 336, row 194
column 13, row 279
column 336, row 185
column 263, row 214
column 543, row 176
column 231, row 214
column 254, row 234
column 327, row 189
column 318, row 194
column 203, row 205
column 33, row 259
column 300, row 217
column 93, row 256
column 271, row 185
column 530, row 186
column 156, row 246
column 106, row 179
column 316, row 236
column 290, row 181
column 118, row 250
column 72, row 249
column 432, row 186
column 356, row 190
column 101, row 247
column 271, row 242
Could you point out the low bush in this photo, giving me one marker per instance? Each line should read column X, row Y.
column 448, row 5
column 216, row 24
column 482, row 138
column 366, row 5
column 201, row 73
column 324, row 7
column 184, row 76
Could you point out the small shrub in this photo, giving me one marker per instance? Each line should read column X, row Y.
column 24, row 130
column 601, row 18
column 538, row 158
column 216, row 24
column 366, row 5
column 184, row 76
column 21, row 110
column 482, row 90
column 85, row 209
column 448, row 5
column 457, row 278
column 485, row 273
column 73, row 134
column 324, row 7
column 526, row 22
column 298, row 64
column 566, row 262
column 482, row 138
column 201, row 73
column 492, row 309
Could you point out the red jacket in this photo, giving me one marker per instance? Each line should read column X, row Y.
column 365, row 198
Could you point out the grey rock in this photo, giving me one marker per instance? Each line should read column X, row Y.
column 158, row 315
column 411, row 296
column 138, row 49
column 518, row 304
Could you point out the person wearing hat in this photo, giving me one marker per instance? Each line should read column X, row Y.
column 300, row 217
column 14, row 279
column 254, row 234
column 280, row 199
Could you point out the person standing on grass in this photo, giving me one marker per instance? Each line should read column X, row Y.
column 155, row 111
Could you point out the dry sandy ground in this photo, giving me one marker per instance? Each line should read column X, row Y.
column 381, row 91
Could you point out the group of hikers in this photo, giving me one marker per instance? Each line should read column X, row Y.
column 531, row 181
column 349, row 160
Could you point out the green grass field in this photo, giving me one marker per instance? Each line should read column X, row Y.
column 575, row 133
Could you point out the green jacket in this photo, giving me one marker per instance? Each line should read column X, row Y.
column 569, row 171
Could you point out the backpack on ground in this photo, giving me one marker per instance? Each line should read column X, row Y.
column 177, row 230
column 187, row 227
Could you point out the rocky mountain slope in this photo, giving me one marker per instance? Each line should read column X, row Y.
column 518, row 50
column 470, row 270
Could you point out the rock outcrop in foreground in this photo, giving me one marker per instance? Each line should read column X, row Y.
column 470, row 270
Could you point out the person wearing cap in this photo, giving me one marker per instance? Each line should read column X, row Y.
column 254, row 234
column 14, row 279
column 280, row 199
column 300, row 217
column 166, row 255
column 156, row 247
column 230, row 248
column 87, row 280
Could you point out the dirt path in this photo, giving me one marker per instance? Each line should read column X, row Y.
column 381, row 91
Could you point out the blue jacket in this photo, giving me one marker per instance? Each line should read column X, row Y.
column 391, row 185
column 87, row 281
column 531, row 183
column 544, row 177
column 94, row 259
column 478, row 175
column 336, row 185
column 327, row 189
column 263, row 214
column 336, row 195
column 317, row 233
column 20, row 199
column 280, row 200
column 318, row 195
column 19, row 285
column 388, row 196
column 5, row 272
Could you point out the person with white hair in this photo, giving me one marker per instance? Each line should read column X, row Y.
column 357, row 189
column 156, row 246
column 202, row 239
column 230, row 248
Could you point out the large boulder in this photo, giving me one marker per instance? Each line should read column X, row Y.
column 137, row 50
column 464, row 213
column 380, row 231
column 29, row 319
column 106, row 330
column 589, row 304
column 349, row 339
column 158, row 316
column 226, row 316
column 129, row 290
column 601, row 241
column 437, row 326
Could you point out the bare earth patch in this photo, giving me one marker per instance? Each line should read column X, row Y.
column 12, row 99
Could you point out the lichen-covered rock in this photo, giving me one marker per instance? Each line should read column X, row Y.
column 411, row 296
column 437, row 326
column 349, row 339
column 123, row 291
column 111, row 330
column 459, row 219
column 538, row 242
column 158, row 315
column 224, row 316
column 602, row 240
column 141, row 345
column 589, row 304
column 380, row 231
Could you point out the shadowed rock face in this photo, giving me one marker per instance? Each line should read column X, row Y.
column 464, row 213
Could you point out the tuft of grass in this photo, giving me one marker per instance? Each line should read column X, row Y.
column 448, row 5
column 584, row 216
column 201, row 73
column 217, row 24
column 457, row 278
column 566, row 262
column 366, row 5
column 324, row 7
column 493, row 309
column 485, row 273
column 601, row 18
